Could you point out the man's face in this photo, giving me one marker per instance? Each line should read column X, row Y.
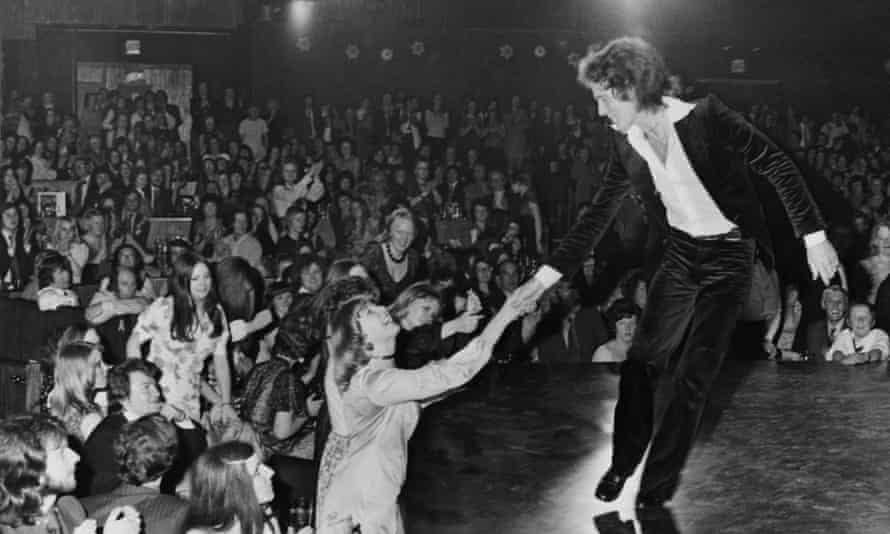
column 11, row 219
column 290, row 173
column 621, row 112
column 126, row 284
column 835, row 306
column 508, row 276
column 61, row 463
column 240, row 224
column 80, row 168
column 145, row 397
column 422, row 171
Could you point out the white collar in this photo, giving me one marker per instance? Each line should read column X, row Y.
column 675, row 108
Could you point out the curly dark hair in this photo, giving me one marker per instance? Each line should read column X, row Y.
column 145, row 449
column 119, row 377
column 627, row 63
column 24, row 441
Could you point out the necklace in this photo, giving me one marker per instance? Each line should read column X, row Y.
column 393, row 258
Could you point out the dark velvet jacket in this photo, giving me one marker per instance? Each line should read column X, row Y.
column 722, row 147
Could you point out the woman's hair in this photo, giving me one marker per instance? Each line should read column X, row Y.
column 347, row 342
column 339, row 269
column 57, row 229
column 304, row 261
column 145, row 449
column 74, row 376
column 22, row 468
column 396, row 215
column 621, row 309
column 47, row 265
column 222, row 490
column 630, row 282
column 334, row 293
column 184, row 314
column 416, row 291
column 627, row 63
column 24, row 442
column 873, row 240
column 240, row 287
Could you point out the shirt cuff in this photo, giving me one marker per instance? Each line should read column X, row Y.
column 547, row 276
column 816, row 238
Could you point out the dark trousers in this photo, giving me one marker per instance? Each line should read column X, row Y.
column 700, row 286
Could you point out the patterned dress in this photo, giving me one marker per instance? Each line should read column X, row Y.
column 365, row 457
column 180, row 362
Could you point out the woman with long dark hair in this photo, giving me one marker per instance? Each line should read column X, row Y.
column 184, row 329
column 229, row 491
column 374, row 409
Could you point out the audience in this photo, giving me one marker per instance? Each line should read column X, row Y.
column 279, row 197
column 861, row 342
column 37, row 472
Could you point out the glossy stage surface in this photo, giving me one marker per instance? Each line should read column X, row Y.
column 785, row 448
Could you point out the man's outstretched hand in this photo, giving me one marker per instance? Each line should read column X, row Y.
column 823, row 261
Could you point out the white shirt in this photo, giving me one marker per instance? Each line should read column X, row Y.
column 688, row 204
column 845, row 343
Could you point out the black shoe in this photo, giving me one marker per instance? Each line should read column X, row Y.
column 610, row 486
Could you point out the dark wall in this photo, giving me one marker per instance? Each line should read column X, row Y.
column 215, row 56
column 456, row 63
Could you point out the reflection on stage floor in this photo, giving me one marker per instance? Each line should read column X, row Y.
column 790, row 448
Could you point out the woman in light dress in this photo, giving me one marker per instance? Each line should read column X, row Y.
column 374, row 409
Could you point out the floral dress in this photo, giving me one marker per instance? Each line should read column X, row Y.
column 180, row 362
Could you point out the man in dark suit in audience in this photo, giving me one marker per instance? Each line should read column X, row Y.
column 145, row 449
column 133, row 386
column 577, row 331
column 821, row 333
column 16, row 260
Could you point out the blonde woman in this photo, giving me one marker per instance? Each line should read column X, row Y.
column 76, row 374
column 66, row 241
column 392, row 263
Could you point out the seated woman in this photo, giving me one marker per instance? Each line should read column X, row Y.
column 77, row 373
column 621, row 316
column 422, row 338
column 374, row 409
column 54, row 283
column 66, row 241
column 861, row 342
column 310, row 276
column 230, row 491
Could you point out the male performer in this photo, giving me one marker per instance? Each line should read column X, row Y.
column 689, row 161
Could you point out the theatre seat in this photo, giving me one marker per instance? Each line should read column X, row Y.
column 26, row 337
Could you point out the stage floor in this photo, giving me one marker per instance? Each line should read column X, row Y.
column 785, row 448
